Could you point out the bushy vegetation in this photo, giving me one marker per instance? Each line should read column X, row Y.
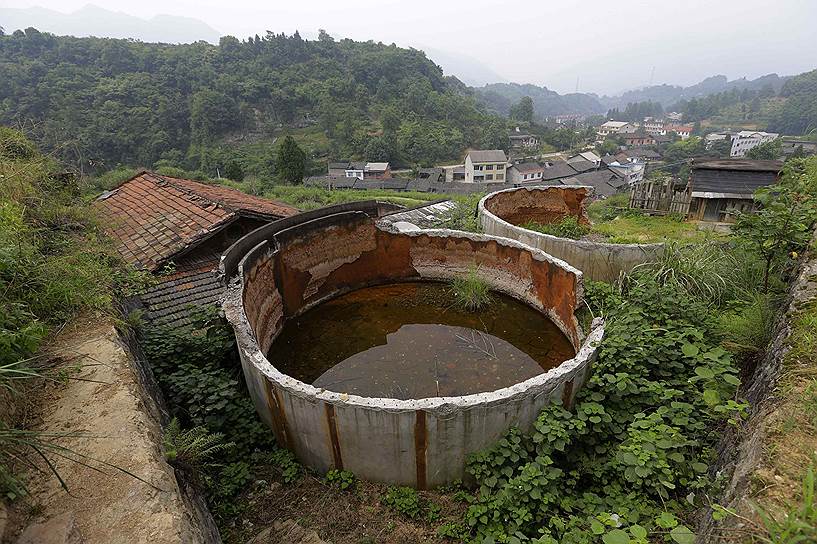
column 125, row 102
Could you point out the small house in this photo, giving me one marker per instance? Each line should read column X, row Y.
column 485, row 166
column 721, row 188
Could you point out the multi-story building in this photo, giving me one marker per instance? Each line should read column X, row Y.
column 653, row 126
column 745, row 140
column 616, row 127
column 485, row 166
column 683, row 131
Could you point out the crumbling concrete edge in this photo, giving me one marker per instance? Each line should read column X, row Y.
column 612, row 259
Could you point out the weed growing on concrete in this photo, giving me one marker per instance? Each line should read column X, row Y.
column 470, row 291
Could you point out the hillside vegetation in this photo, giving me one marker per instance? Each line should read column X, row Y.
column 99, row 102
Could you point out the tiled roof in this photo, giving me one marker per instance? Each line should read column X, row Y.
column 529, row 167
column 194, row 283
column 152, row 217
column 488, row 155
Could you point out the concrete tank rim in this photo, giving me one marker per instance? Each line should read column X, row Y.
column 246, row 342
column 483, row 210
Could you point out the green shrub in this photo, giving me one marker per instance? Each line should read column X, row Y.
column 403, row 500
column 471, row 292
column 568, row 227
column 291, row 470
column 637, row 443
column 342, row 479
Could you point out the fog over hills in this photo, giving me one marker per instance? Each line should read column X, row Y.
column 93, row 20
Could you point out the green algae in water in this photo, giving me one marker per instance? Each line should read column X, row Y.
column 410, row 340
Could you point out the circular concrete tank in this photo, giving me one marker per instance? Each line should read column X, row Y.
column 501, row 213
column 285, row 268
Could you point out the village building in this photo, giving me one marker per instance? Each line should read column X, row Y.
column 745, row 140
column 683, row 131
column 629, row 169
column 615, row 127
column 639, row 138
column 431, row 174
column 177, row 229
column 653, row 126
column 359, row 170
column 588, row 156
column 557, row 170
column 526, row 171
column 722, row 188
column 527, row 141
column 485, row 166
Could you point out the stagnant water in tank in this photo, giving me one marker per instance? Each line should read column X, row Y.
column 409, row 340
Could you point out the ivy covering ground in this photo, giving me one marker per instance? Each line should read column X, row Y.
column 635, row 449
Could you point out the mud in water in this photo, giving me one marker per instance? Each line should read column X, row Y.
column 409, row 341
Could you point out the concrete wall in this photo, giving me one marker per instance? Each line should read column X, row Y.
column 421, row 443
column 501, row 212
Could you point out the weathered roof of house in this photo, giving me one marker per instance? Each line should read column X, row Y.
column 605, row 182
column 559, row 169
column 581, row 165
column 488, row 155
column 152, row 217
column 377, row 166
column 527, row 167
column 733, row 176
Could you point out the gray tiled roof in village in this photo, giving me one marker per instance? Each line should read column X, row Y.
column 488, row 155
column 559, row 169
column 733, row 176
column 582, row 165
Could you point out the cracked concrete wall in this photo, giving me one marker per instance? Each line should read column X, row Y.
column 500, row 213
column 422, row 443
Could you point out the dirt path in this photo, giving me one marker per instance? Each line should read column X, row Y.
column 102, row 402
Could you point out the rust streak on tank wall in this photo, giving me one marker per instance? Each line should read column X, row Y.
column 279, row 419
column 420, row 448
column 567, row 395
column 333, row 435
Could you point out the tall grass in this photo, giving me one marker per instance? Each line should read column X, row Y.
column 470, row 291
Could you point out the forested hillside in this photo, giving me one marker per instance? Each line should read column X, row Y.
column 101, row 102
column 798, row 115
column 500, row 97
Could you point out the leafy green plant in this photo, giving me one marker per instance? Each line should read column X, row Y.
column 409, row 503
column 471, row 292
column 291, row 470
column 568, row 227
column 342, row 479
column 639, row 432
column 193, row 448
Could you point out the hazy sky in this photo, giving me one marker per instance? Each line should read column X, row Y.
column 609, row 45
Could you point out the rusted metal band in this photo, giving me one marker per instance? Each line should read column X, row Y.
column 333, row 435
column 420, row 447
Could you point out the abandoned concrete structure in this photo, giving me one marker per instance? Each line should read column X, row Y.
column 177, row 229
column 285, row 268
column 501, row 213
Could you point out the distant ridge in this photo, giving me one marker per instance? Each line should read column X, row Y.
column 93, row 20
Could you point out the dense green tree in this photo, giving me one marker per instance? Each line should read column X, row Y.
column 291, row 162
column 234, row 171
column 523, row 110
column 106, row 101
column 721, row 148
column 768, row 151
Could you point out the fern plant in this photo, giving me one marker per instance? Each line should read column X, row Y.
column 193, row 448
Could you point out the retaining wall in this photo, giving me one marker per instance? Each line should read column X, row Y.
column 501, row 213
column 424, row 442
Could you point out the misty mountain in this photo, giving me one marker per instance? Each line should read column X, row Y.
column 669, row 95
column 499, row 97
column 93, row 20
column 467, row 69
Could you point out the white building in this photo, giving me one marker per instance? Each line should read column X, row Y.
column 485, row 166
column 526, row 171
column 683, row 131
column 654, row 127
column 616, row 127
column 745, row 140
column 632, row 170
